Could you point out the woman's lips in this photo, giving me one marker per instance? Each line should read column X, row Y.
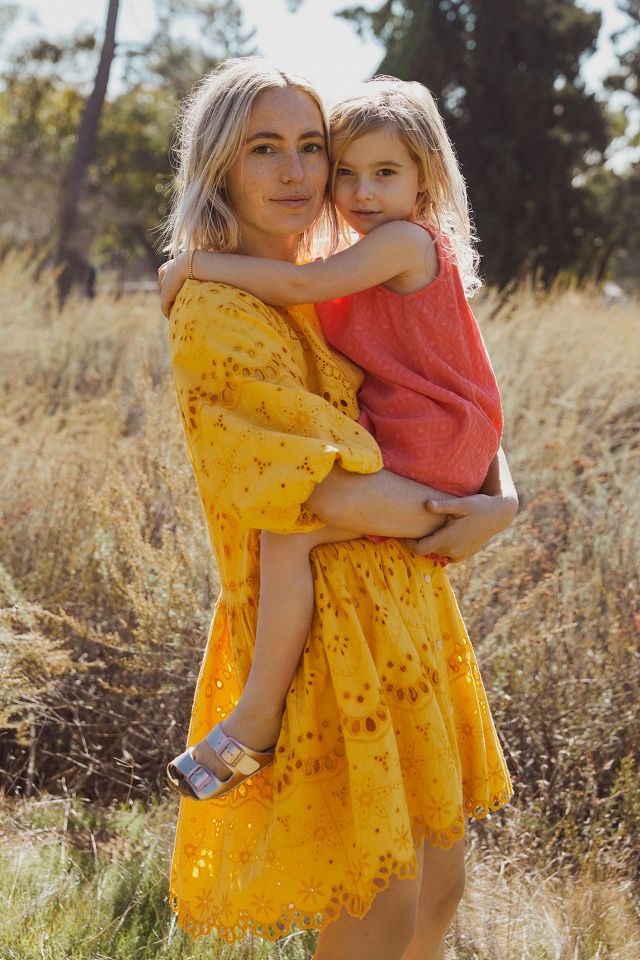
column 291, row 201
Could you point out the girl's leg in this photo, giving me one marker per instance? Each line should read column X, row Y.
column 441, row 888
column 284, row 617
column 384, row 933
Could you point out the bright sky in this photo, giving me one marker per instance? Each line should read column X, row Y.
column 311, row 42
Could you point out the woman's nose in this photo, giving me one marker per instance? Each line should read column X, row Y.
column 292, row 171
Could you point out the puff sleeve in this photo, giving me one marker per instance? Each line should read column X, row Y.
column 259, row 439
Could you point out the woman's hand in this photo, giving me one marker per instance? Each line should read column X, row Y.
column 171, row 276
column 471, row 522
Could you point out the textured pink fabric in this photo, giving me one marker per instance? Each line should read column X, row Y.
column 429, row 395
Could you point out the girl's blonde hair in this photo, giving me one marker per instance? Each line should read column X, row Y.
column 411, row 110
column 212, row 127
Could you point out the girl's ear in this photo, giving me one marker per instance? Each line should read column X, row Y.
column 423, row 199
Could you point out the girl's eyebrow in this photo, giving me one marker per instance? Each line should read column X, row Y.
column 374, row 163
column 271, row 135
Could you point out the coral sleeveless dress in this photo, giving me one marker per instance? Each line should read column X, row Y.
column 387, row 737
column 429, row 395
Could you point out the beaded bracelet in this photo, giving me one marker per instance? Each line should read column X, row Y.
column 190, row 265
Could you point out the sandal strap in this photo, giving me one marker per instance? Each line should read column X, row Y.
column 236, row 756
column 198, row 777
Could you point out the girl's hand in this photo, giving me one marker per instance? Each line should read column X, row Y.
column 171, row 276
column 471, row 522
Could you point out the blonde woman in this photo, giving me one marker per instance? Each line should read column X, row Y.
column 354, row 822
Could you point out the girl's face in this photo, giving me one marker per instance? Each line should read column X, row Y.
column 277, row 184
column 376, row 180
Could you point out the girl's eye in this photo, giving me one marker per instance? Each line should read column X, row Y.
column 343, row 172
column 385, row 172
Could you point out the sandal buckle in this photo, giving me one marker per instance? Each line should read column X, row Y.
column 200, row 778
column 230, row 752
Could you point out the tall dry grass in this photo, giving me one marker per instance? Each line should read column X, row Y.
column 107, row 581
column 107, row 587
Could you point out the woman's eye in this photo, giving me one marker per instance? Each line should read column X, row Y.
column 313, row 148
column 263, row 148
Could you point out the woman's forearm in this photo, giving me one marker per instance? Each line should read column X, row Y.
column 383, row 504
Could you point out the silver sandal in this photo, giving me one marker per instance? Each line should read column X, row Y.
column 190, row 778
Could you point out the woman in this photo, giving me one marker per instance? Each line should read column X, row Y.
column 387, row 742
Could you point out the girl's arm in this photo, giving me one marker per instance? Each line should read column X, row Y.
column 393, row 250
column 472, row 521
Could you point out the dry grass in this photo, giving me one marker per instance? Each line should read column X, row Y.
column 89, row 883
column 107, row 586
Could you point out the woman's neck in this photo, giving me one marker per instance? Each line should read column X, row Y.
column 271, row 248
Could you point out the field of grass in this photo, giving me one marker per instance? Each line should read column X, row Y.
column 107, row 587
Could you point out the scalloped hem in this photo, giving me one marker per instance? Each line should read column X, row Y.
column 355, row 905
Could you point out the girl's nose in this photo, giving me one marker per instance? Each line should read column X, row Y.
column 292, row 171
column 363, row 189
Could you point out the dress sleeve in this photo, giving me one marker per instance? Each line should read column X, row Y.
column 258, row 439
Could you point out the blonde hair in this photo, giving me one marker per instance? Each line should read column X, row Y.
column 411, row 110
column 212, row 127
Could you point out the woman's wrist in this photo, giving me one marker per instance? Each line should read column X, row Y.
column 507, row 506
column 189, row 274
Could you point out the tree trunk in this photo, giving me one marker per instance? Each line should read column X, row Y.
column 74, row 269
column 142, row 236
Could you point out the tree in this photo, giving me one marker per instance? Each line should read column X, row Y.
column 507, row 77
column 73, row 266
column 621, row 197
column 43, row 91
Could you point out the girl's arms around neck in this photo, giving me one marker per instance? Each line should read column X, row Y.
column 399, row 254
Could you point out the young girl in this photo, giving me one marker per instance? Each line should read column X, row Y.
column 394, row 303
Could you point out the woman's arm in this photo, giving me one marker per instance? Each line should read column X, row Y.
column 383, row 504
column 472, row 521
column 391, row 250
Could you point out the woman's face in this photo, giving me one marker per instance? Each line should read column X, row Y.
column 277, row 184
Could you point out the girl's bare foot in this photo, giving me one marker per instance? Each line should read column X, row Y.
column 259, row 731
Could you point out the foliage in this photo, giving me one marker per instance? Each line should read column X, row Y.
column 42, row 91
column 526, row 131
column 627, row 77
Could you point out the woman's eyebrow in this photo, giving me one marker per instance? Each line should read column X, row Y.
column 271, row 135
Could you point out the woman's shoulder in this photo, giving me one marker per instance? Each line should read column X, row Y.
column 217, row 312
column 209, row 299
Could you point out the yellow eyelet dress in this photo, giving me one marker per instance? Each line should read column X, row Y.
column 387, row 736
